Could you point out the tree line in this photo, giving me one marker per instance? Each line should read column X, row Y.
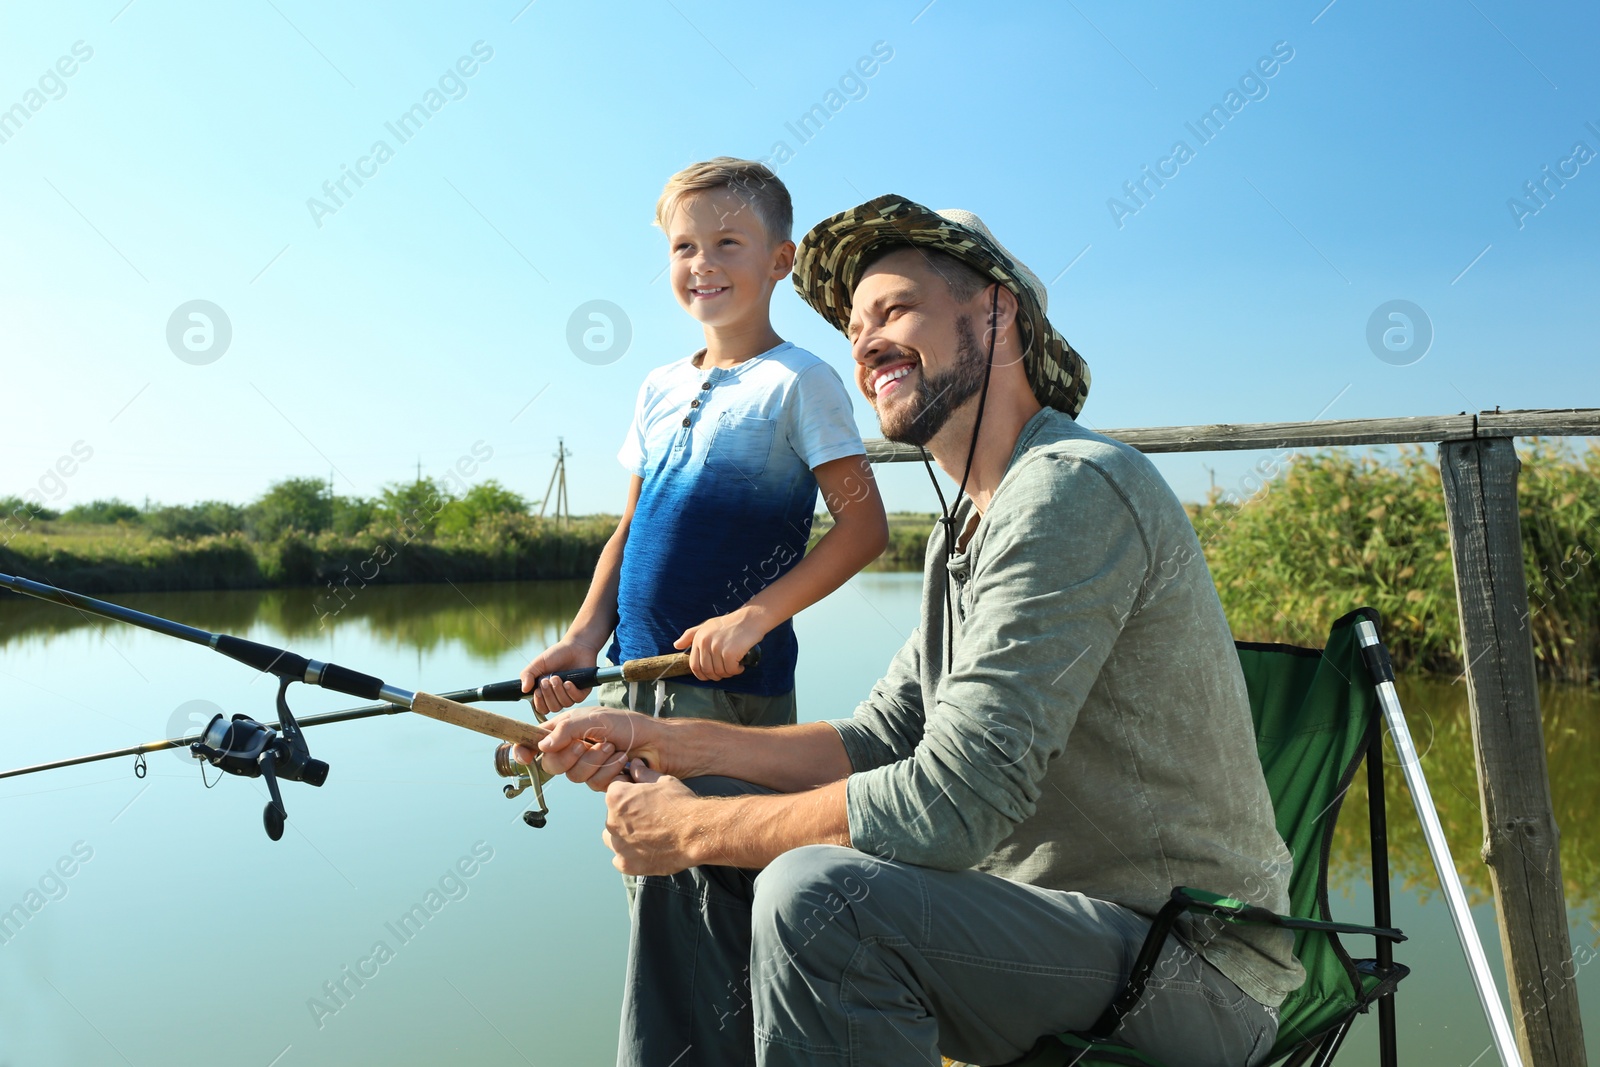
column 426, row 507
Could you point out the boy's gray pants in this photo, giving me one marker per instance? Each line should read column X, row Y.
column 831, row 956
column 672, row 699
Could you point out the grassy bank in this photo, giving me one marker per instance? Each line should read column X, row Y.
column 1324, row 534
column 299, row 533
column 908, row 540
column 131, row 556
column 127, row 558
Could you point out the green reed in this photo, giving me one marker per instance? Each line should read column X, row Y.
column 1336, row 530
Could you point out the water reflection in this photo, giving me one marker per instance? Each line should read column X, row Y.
column 1437, row 713
column 409, row 796
column 484, row 618
column 487, row 619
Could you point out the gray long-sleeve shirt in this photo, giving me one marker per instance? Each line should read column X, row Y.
column 1093, row 732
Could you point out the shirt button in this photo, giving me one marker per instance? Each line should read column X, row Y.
column 694, row 403
column 707, row 385
column 686, row 420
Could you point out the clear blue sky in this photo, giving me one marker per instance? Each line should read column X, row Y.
column 425, row 313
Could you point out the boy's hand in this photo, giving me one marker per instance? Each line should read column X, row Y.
column 717, row 645
column 553, row 694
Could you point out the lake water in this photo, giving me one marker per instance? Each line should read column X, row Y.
column 169, row 930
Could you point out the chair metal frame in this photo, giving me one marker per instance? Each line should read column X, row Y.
column 1319, row 1049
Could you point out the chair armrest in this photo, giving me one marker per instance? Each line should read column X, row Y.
column 1232, row 910
column 1184, row 899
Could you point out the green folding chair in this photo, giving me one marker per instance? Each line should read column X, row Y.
column 1317, row 716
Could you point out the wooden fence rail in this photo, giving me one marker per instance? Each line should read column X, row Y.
column 1329, row 433
column 1478, row 467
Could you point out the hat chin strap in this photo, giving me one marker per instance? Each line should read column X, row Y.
column 947, row 517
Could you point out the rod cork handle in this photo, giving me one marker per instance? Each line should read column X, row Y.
column 649, row 668
column 676, row 665
column 477, row 719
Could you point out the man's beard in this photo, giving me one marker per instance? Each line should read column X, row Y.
column 937, row 397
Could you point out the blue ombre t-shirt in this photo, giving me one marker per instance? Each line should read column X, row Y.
column 726, row 456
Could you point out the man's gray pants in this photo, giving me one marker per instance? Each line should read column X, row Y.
column 831, row 956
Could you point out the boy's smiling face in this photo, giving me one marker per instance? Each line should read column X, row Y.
column 722, row 263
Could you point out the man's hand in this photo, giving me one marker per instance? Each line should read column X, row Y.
column 650, row 822
column 590, row 745
column 717, row 645
column 553, row 694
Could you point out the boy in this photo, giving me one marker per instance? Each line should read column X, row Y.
column 726, row 452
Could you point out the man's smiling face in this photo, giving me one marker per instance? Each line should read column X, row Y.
column 917, row 358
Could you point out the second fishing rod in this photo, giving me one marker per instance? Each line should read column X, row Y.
column 246, row 747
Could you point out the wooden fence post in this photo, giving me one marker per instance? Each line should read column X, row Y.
column 1521, row 840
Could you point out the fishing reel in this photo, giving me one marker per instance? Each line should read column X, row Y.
column 245, row 747
column 526, row 776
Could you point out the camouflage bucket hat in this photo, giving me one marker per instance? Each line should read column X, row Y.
column 829, row 261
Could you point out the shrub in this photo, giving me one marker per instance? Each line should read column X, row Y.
column 21, row 511
column 190, row 521
column 101, row 512
column 481, row 502
column 352, row 514
column 410, row 511
column 301, row 504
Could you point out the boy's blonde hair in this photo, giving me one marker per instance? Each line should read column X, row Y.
column 750, row 181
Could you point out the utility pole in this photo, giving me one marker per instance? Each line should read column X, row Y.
column 558, row 483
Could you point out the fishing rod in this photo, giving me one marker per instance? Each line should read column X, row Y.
column 634, row 670
column 251, row 749
column 532, row 776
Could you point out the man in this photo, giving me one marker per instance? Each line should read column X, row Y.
column 968, row 863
